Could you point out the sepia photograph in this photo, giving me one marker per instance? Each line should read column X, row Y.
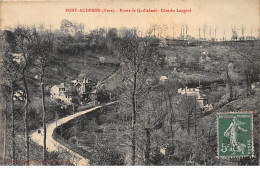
column 129, row 83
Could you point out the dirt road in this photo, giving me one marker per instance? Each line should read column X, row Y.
column 53, row 145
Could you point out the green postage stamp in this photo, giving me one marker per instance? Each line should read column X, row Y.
column 235, row 134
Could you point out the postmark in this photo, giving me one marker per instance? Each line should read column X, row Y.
column 235, row 134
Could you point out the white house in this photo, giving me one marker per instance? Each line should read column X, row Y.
column 201, row 98
column 163, row 79
column 59, row 92
column 19, row 95
column 18, row 57
column 102, row 60
column 189, row 91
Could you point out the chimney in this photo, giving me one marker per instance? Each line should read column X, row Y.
column 62, row 84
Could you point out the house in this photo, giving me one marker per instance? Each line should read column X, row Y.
column 163, row 79
column 66, row 97
column 87, row 88
column 59, row 92
column 189, row 91
column 102, row 60
column 255, row 85
column 92, row 95
column 201, row 98
column 19, row 95
column 83, row 86
column 208, row 107
column 18, row 57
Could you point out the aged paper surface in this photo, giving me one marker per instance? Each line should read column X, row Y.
column 111, row 82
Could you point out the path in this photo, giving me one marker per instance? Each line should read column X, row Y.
column 53, row 145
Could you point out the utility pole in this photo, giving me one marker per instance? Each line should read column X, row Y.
column 186, row 28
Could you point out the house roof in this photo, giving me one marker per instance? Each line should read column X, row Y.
column 74, row 81
column 163, row 78
column 68, row 93
column 59, row 86
column 93, row 92
column 78, row 84
column 17, row 54
column 202, row 96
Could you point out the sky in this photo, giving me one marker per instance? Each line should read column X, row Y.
column 221, row 15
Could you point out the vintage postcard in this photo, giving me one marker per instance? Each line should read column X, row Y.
column 129, row 83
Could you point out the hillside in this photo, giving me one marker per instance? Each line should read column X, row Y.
column 67, row 68
column 207, row 63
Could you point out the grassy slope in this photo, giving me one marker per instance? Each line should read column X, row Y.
column 67, row 68
column 220, row 56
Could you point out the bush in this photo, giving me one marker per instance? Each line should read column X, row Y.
column 107, row 156
column 103, row 96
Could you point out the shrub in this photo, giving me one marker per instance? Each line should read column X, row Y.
column 107, row 156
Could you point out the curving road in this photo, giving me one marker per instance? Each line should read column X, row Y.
column 53, row 145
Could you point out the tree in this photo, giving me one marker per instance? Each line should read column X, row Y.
column 204, row 29
column 242, row 33
column 164, row 29
column 139, row 60
column 44, row 53
column 67, row 26
column 188, row 108
column 153, row 29
column 79, row 30
column 234, row 34
column 10, row 74
column 111, row 38
column 186, row 31
column 24, row 37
